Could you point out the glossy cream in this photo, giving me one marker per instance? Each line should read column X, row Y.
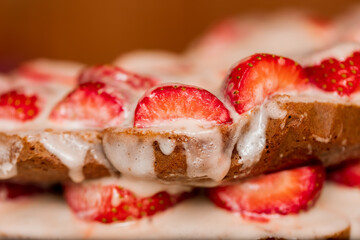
column 49, row 217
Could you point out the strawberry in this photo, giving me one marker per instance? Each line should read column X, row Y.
column 10, row 190
column 348, row 174
column 113, row 73
column 92, row 103
column 285, row 192
column 333, row 75
column 112, row 203
column 19, row 106
column 42, row 70
column 256, row 77
column 172, row 102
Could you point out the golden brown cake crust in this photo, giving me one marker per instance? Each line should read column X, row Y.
column 309, row 133
column 36, row 164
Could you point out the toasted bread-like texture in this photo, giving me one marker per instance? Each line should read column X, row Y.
column 35, row 163
column 306, row 132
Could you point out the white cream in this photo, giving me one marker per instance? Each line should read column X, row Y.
column 166, row 145
column 8, row 159
column 141, row 188
column 131, row 155
column 344, row 201
column 340, row 51
column 251, row 144
column 49, row 217
column 70, row 149
column 205, row 150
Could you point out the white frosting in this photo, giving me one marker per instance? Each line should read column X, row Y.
column 70, row 149
column 344, row 201
column 252, row 143
column 166, row 145
column 49, row 217
column 7, row 163
column 206, row 155
column 131, row 155
column 340, row 51
column 141, row 188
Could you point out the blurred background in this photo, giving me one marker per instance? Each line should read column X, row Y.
column 94, row 31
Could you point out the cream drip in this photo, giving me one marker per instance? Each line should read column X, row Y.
column 70, row 149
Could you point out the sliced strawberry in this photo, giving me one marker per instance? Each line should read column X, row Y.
column 111, row 203
column 19, row 106
column 172, row 102
column 255, row 78
column 42, row 70
column 333, row 75
column 92, row 103
column 348, row 174
column 113, row 73
column 285, row 192
column 10, row 190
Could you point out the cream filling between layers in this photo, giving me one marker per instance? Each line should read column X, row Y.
column 49, row 217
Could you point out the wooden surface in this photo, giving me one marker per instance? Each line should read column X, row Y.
column 96, row 31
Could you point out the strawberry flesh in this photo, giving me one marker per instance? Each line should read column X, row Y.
column 172, row 102
column 18, row 106
column 116, row 74
column 92, row 103
column 348, row 174
column 255, row 78
column 111, row 203
column 285, row 192
column 333, row 75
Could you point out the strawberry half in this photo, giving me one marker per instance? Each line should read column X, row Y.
column 112, row 203
column 348, row 174
column 10, row 190
column 173, row 102
column 255, row 78
column 92, row 103
column 333, row 75
column 18, row 106
column 285, row 192
column 113, row 73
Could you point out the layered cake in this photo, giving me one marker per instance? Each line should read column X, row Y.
column 252, row 133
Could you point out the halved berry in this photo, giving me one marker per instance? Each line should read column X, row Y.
column 42, row 70
column 111, row 203
column 285, row 192
column 18, row 106
column 93, row 104
column 333, row 75
column 255, row 78
column 113, row 73
column 173, row 102
column 10, row 190
column 347, row 174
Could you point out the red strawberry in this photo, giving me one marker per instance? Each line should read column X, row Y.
column 285, row 192
column 16, row 190
column 111, row 203
column 333, row 75
column 113, row 73
column 172, row 102
column 255, row 78
column 42, row 70
column 15, row 105
column 92, row 103
column 348, row 174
